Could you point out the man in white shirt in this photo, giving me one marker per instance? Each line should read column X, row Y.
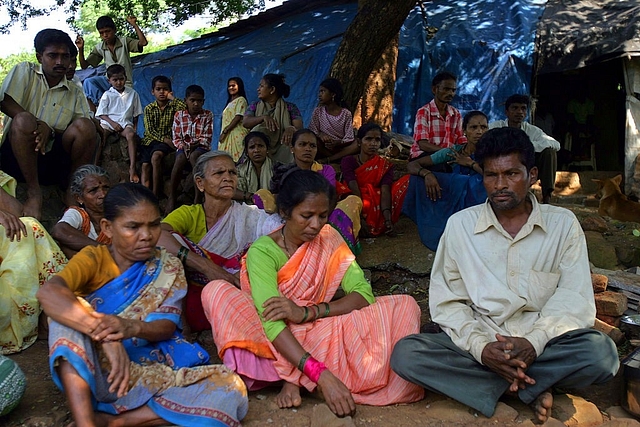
column 546, row 159
column 511, row 289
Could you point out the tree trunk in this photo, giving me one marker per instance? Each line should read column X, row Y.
column 376, row 104
column 368, row 37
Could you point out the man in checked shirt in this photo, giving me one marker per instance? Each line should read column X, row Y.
column 438, row 125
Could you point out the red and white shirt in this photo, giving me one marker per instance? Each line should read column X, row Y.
column 441, row 131
column 194, row 131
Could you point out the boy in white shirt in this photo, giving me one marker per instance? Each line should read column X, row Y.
column 119, row 110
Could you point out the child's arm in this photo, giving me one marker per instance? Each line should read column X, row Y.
column 103, row 113
column 81, row 59
column 115, row 125
column 135, row 124
column 151, row 123
column 142, row 40
column 206, row 136
column 177, row 135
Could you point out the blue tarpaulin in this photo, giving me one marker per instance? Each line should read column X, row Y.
column 301, row 47
column 488, row 44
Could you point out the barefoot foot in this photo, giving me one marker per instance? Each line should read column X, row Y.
column 133, row 176
column 289, row 396
column 33, row 206
column 542, row 407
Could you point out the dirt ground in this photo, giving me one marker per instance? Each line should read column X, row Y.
column 44, row 405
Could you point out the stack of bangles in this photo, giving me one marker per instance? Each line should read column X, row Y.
column 316, row 308
column 311, row 367
column 420, row 172
column 182, row 254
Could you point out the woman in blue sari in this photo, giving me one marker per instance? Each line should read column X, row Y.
column 116, row 349
column 433, row 197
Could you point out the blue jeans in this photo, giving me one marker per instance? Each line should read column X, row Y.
column 94, row 87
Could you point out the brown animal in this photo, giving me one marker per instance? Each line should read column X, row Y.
column 615, row 204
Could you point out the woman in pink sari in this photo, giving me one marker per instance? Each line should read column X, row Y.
column 370, row 176
column 285, row 324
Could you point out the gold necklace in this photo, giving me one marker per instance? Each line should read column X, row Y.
column 284, row 241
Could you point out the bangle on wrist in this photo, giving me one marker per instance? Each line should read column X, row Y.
column 427, row 172
column 473, row 164
column 182, row 254
column 327, row 309
column 303, row 361
column 306, row 314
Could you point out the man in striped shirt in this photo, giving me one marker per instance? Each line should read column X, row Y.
column 45, row 114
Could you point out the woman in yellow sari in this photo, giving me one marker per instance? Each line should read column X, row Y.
column 28, row 257
column 284, row 323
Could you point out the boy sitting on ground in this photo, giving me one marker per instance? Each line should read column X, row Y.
column 157, row 140
column 118, row 112
column 192, row 133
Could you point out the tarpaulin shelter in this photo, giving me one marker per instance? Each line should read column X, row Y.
column 590, row 49
column 300, row 39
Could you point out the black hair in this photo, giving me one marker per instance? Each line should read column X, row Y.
column 255, row 134
column 241, row 91
column 442, row 76
column 504, row 141
column 280, row 170
column 52, row 37
column 105, row 22
column 334, row 86
column 297, row 184
column 516, row 99
column 114, row 69
column 161, row 79
column 470, row 115
column 277, row 81
column 368, row 127
column 193, row 89
column 127, row 195
column 301, row 132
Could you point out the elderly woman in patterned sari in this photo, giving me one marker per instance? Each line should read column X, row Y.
column 114, row 341
column 286, row 324
column 80, row 225
column 28, row 257
column 211, row 238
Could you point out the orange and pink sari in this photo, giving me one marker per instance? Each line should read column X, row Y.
column 356, row 347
